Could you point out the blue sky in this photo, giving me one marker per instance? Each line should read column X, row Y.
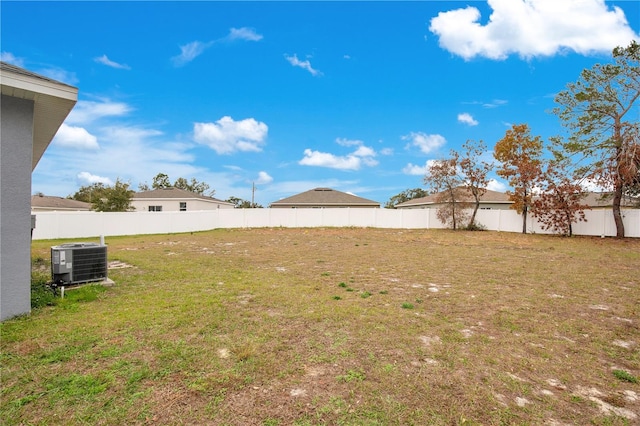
column 289, row 96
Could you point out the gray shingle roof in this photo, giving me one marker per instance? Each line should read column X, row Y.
column 488, row 197
column 17, row 70
column 324, row 197
column 49, row 202
column 605, row 199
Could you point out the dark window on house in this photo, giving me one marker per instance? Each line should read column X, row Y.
column 183, row 206
column 155, row 208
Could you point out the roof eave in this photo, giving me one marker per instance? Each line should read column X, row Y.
column 53, row 101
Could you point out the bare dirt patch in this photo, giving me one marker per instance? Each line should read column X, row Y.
column 339, row 326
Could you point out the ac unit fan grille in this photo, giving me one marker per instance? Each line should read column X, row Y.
column 89, row 264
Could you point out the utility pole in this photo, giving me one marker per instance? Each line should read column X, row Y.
column 253, row 193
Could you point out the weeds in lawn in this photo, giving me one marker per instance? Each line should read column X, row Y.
column 625, row 376
column 241, row 327
column 41, row 292
column 352, row 376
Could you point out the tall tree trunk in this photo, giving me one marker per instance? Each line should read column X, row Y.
column 617, row 216
column 453, row 209
column 524, row 219
column 568, row 218
column 472, row 221
column 618, row 184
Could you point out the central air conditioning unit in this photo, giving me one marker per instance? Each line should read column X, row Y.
column 77, row 263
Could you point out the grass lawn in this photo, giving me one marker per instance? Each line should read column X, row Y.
column 336, row 327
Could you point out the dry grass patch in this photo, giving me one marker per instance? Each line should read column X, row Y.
column 338, row 326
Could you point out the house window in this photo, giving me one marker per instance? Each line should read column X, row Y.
column 155, row 208
column 183, row 206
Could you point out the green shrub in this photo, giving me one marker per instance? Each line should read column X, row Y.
column 475, row 227
column 41, row 293
column 625, row 376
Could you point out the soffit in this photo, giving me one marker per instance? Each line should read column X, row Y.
column 52, row 103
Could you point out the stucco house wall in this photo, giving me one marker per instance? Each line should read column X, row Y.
column 490, row 200
column 483, row 206
column 16, row 130
column 171, row 199
column 32, row 108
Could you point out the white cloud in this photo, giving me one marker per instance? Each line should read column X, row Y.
column 88, row 111
column 264, row 178
column 227, row 136
column 495, row 103
column 133, row 154
column 416, row 170
column 305, row 65
column 496, row 185
column 466, row 118
column 108, row 62
column 324, row 159
column 59, row 75
column 426, row 143
column 75, row 137
column 362, row 156
column 591, row 185
column 244, row 33
column 86, row 178
column 189, row 52
column 364, row 151
column 361, row 150
column 531, row 28
column 9, row 58
column 349, row 142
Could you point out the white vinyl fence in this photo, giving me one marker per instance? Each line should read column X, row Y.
column 64, row 225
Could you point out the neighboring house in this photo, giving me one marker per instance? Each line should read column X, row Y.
column 44, row 203
column 490, row 200
column 32, row 110
column 604, row 200
column 175, row 199
column 324, row 198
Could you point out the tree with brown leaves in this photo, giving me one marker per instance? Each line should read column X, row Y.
column 560, row 202
column 443, row 177
column 475, row 172
column 519, row 154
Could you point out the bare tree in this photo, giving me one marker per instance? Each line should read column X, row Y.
column 475, row 171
